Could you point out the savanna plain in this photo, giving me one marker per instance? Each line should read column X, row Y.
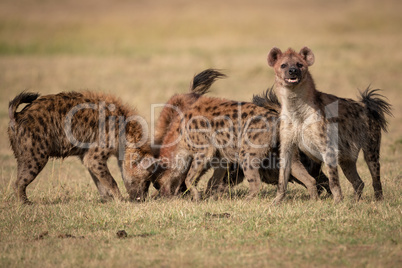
column 146, row 51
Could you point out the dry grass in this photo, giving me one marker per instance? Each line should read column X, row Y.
column 144, row 52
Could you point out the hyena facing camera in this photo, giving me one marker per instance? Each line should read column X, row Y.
column 325, row 127
column 269, row 170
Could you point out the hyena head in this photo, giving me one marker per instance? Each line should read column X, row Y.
column 291, row 68
column 138, row 176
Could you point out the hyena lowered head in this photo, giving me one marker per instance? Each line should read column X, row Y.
column 325, row 127
column 89, row 125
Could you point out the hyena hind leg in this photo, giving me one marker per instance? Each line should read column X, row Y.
column 350, row 171
column 372, row 158
column 27, row 172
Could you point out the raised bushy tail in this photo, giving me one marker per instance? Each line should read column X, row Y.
column 377, row 107
column 177, row 104
column 268, row 100
column 23, row 97
column 203, row 81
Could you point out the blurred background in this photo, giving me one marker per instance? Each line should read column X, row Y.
column 151, row 49
column 146, row 51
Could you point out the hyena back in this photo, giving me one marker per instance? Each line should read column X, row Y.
column 89, row 125
column 325, row 127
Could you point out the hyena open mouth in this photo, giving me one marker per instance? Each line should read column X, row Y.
column 292, row 80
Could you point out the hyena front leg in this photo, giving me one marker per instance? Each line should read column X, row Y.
column 331, row 162
column 167, row 182
column 287, row 151
column 251, row 166
column 96, row 162
column 200, row 160
column 103, row 191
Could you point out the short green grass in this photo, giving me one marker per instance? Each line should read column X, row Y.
column 145, row 52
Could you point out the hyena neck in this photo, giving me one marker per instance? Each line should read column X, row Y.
column 298, row 102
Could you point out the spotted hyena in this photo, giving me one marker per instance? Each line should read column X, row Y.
column 213, row 128
column 89, row 125
column 325, row 127
column 166, row 131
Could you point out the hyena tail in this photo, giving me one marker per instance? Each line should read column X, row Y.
column 23, row 97
column 376, row 107
column 203, row 81
column 268, row 100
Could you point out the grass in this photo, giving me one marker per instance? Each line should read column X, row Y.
column 146, row 52
column 180, row 233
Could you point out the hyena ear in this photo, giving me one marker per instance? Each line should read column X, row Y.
column 149, row 163
column 273, row 56
column 307, row 55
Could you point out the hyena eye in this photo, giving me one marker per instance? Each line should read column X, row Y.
column 299, row 65
column 283, row 66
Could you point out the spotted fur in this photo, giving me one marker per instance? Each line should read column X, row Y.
column 325, row 127
column 167, row 133
column 42, row 130
column 270, row 175
column 229, row 130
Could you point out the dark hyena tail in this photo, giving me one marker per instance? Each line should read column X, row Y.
column 203, row 81
column 268, row 100
column 376, row 109
column 24, row 97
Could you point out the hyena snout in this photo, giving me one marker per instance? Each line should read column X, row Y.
column 293, row 71
column 139, row 192
column 293, row 75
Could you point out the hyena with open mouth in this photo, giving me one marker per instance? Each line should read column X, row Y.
column 325, row 127
column 212, row 128
column 269, row 170
column 89, row 125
